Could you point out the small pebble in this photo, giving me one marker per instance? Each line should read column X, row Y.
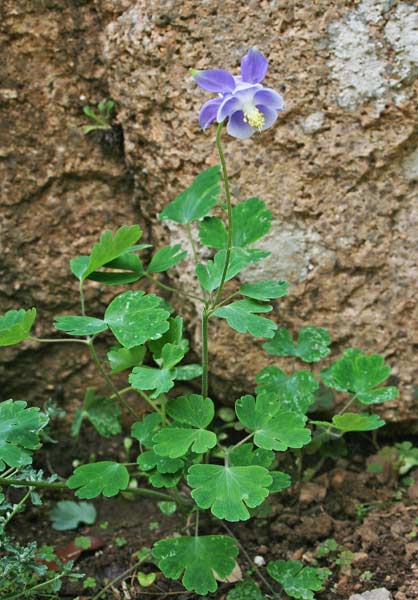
column 259, row 561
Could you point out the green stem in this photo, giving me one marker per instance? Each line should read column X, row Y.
column 82, row 299
column 205, row 353
column 15, row 510
column 168, row 288
column 36, row 484
column 62, row 486
column 58, row 341
column 109, row 382
column 150, row 402
column 248, row 437
column 129, row 388
column 121, row 576
column 229, row 211
column 193, row 245
column 223, row 302
column 196, row 525
column 28, row 592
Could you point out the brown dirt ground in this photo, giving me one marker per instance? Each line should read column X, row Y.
column 374, row 516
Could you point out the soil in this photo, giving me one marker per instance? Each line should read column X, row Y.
column 372, row 517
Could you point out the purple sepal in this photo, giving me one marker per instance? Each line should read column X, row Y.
column 254, row 66
column 215, row 80
column 208, row 112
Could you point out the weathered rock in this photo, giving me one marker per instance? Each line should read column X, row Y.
column 338, row 171
column 377, row 594
column 59, row 189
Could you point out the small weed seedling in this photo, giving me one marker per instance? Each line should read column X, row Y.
column 184, row 457
column 100, row 120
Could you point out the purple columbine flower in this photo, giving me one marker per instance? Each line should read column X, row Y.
column 248, row 105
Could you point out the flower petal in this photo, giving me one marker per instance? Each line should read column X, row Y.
column 208, row 112
column 228, row 106
column 270, row 116
column 214, row 80
column 238, row 128
column 270, row 98
column 253, row 66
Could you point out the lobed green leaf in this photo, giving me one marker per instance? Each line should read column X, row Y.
column 80, row 325
column 241, row 316
column 165, row 258
column 15, row 326
column 19, row 432
column 198, row 558
column 105, row 477
column 264, row 290
column 228, row 491
column 135, row 317
column 197, row 200
column 312, row 345
column 298, row 581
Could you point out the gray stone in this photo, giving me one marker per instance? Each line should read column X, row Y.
column 377, row 594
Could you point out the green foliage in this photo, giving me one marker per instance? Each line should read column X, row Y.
column 312, row 345
column 246, row 590
column 294, row 393
column 15, row 326
column 148, row 378
column 83, row 542
column 251, row 221
column 121, row 358
column 135, row 317
column 100, row 120
column 103, row 413
column 408, row 455
column 197, row 200
column 20, row 428
column 273, row 428
column 264, row 290
column 198, row 559
column 68, row 515
column 246, row 455
column 281, row 481
column 109, row 248
column 149, row 460
column 106, row 477
column 298, row 581
column 80, row 325
column 210, row 276
column 241, row 316
column 167, row 508
column 353, row 422
column 193, row 413
column 144, row 430
column 360, row 374
column 165, row 258
column 228, row 491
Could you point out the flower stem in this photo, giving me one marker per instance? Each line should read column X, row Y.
column 205, row 352
column 229, row 212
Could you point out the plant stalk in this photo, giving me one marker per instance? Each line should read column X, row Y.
column 229, row 212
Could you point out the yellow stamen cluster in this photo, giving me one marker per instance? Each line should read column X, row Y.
column 254, row 118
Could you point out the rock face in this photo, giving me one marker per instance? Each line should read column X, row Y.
column 339, row 170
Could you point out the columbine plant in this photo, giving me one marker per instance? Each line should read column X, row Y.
column 187, row 456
